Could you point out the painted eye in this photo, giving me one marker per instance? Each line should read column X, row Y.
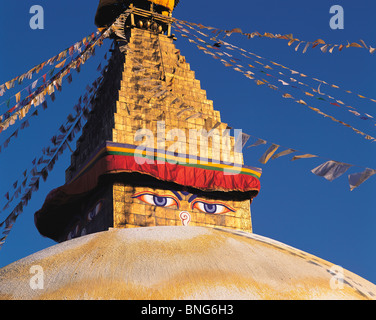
column 93, row 213
column 215, row 208
column 157, row 200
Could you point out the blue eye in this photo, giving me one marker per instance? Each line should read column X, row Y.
column 160, row 201
column 216, row 208
column 210, row 208
column 157, row 200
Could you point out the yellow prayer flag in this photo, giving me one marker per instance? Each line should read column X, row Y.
column 61, row 64
column 269, row 153
column 354, row 45
column 301, row 102
column 303, row 156
column 18, row 97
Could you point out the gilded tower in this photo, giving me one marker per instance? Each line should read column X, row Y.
column 154, row 152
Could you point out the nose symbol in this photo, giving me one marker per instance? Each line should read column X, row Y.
column 185, row 218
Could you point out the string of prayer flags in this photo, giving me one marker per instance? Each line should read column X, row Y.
column 330, row 169
column 38, row 96
column 52, row 153
column 40, row 100
column 337, row 103
column 324, row 47
column 284, row 94
column 47, row 160
column 244, row 52
column 76, row 48
column 89, row 43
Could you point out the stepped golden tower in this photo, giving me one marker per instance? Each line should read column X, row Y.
column 154, row 152
column 156, row 203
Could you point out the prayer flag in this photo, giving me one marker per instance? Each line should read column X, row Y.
column 268, row 154
column 356, row 179
column 303, row 156
column 283, row 153
column 61, row 64
column 257, row 143
column 284, row 83
column 34, row 84
column 331, row 170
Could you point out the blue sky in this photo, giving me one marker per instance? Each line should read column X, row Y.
column 294, row 206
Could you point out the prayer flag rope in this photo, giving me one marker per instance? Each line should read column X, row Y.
column 293, row 72
column 324, row 47
column 48, row 88
column 330, row 169
column 60, row 141
column 42, row 101
column 13, row 192
column 262, row 81
column 46, row 162
column 50, row 155
column 335, row 102
column 77, row 47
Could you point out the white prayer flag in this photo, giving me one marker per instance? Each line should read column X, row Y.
column 356, row 179
column 331, row 170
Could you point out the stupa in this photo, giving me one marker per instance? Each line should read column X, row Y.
column 156, row 203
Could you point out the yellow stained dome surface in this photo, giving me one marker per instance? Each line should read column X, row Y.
column 179, row 263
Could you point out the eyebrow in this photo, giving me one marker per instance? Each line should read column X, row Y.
column 177, row 194
column 192, row 197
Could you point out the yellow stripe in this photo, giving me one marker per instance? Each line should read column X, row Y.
column 180, row 159
column 163, row 156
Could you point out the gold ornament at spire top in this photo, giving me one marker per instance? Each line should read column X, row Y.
column 108, row 10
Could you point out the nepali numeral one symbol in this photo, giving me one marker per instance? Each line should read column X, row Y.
column 185, row 218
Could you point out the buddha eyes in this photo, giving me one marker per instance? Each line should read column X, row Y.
column 157, row 200
column 171, row 201
column 214, row 208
